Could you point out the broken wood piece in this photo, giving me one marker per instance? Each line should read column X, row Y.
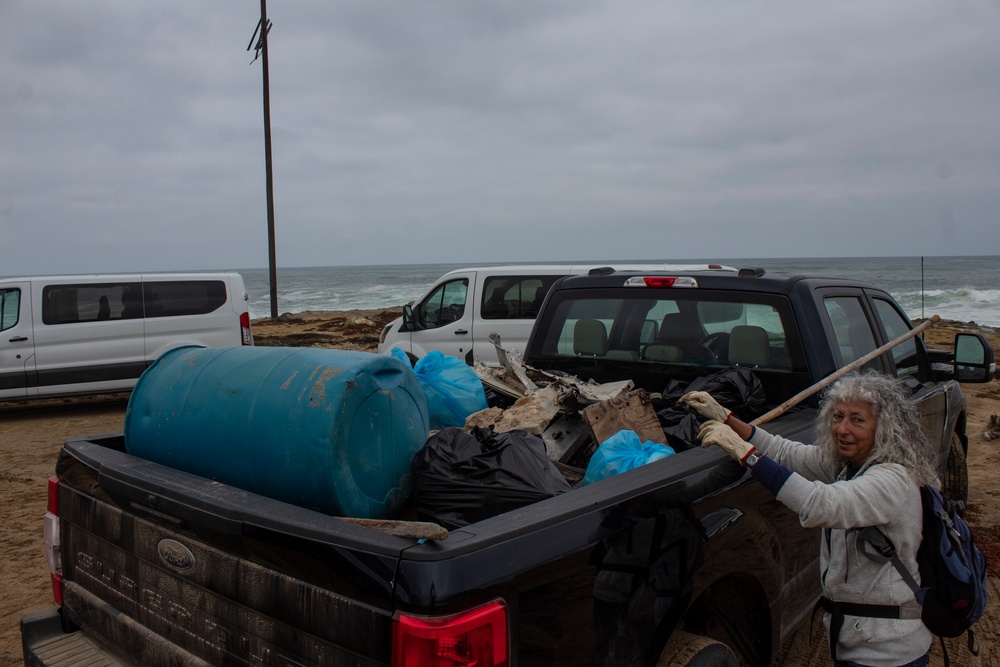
column 531, row 413
column 482, row 419
column 413, row 530
column 591, row 392
column 495, row 379
column 630, row 411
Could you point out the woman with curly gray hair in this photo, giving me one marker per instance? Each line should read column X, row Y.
column 866, row 469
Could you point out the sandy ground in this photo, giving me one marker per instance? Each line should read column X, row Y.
column 31, row 433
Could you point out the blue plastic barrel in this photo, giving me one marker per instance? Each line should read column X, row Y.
column 330, row 430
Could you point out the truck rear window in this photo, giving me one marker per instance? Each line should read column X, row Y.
column 678, row 327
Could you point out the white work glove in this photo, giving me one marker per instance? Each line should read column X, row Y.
column 705, row 405
column 720, row 435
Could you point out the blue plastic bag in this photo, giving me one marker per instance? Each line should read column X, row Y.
column 452, row 389
column 623, row 452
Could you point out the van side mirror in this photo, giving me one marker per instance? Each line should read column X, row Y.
column 407, row 319
column 973, row 358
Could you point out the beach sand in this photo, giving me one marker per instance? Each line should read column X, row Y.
column 32, row 432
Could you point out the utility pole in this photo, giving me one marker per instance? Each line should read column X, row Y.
column 263, row 27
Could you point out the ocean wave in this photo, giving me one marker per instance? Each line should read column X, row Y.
column 964, row 304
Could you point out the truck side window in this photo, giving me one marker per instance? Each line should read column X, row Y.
column 10, row 300
column 904, row 355
column 444, row 305
column 851, row 330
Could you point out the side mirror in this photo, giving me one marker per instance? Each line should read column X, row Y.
column 973, row 358
column 407, row 319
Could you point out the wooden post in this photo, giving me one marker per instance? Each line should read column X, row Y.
column 833, row 377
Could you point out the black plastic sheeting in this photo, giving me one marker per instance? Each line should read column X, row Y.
column 737, row 389
column 460, row 478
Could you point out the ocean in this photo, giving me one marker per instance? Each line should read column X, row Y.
column 956, row 288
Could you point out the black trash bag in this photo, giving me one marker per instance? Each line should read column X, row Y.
column 737, row 389
column 460, row 478
column 682, row 432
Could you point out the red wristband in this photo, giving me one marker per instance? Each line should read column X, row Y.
column 743, row 460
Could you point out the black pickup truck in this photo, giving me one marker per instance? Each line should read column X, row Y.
column 684, row 561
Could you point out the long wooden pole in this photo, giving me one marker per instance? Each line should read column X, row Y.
column 833, row 377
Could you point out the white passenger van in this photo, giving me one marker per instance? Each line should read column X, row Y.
column 460, row 311
column 92, row 334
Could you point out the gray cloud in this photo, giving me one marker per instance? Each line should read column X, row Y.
column 132, row 135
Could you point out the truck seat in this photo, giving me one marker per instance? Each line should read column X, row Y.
column 684, row 332
column 590, row 338
column 749, row 346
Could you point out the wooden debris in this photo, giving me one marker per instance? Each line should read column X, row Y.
column 530, row 413
column 631, row 411
column 482, row 419
column 413, row 530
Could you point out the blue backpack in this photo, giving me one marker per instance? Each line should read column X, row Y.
column 953, row 582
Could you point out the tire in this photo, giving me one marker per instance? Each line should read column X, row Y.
column 956, row 478
column 687, row 650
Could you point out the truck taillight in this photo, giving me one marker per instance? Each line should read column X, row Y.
column 53, row 541
column 245, row 329
column 477, row 637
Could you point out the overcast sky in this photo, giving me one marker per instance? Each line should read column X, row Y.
column 131, row 133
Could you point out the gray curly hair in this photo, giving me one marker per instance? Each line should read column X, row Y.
column 899, row 437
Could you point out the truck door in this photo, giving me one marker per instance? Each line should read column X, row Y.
column 16, row 339
column 443, row 319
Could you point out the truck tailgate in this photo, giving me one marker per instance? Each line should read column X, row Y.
column 155, row 560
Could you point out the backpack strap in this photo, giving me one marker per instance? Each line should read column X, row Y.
column 838, row 610
column 885, row 551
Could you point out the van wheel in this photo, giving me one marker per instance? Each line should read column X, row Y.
column 687, row 650
column 956, row 478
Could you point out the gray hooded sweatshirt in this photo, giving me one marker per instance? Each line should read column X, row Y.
column 881, row 495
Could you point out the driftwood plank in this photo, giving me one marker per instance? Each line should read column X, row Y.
column 629, row 411
column 414, row 530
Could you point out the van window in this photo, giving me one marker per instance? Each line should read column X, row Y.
column 183, row 297
column 10, row 300
column 514, row 297
column 67, row 304
column 444, row 305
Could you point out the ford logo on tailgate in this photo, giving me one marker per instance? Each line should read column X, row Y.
column 175, row 554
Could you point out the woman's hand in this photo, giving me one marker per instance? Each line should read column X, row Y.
column 720, row 435
column 703, row 403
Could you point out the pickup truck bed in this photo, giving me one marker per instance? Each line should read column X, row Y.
column 264, row 582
